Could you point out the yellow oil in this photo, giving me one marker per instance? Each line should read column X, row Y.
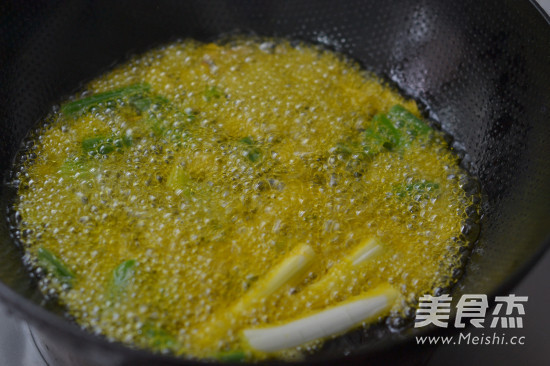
column 204, row 221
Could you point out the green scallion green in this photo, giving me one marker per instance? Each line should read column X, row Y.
column 53, row 265
column 83, row 105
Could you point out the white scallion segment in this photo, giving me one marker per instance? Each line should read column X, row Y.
column 332, row 321
column 289, row 270
column 360, row 255
column 365, row 251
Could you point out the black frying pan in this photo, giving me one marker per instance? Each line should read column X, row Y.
column 480, row 68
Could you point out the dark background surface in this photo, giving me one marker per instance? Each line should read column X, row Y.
column 536, row 327
column 536, row 322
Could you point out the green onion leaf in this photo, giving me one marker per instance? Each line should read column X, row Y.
column 73, row 166
column 105, row 145
column 374, row 143
column 386, row 130
column 83, row 105
column 253, row 154
column 381, row 135
column 247, row 140
column 231, row 356
column 106, row 148
column 393, row 131
column 92, row 143
column 401, row 117
column 251, row 151
column 55, row 266
column 160, row 340
column 124, row 141
column 212, row 92
column 156, row 126
column 420, row 189
column 190, row 114
column 122, row 276
column 180, row 181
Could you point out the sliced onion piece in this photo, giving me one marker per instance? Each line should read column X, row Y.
column 290, row 270
column 368, row 249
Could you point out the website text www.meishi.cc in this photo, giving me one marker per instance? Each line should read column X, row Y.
column 467, row 338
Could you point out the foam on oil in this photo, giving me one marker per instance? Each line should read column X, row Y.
column 218, row 184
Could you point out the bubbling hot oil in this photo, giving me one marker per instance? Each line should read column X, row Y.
column 251, row 128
